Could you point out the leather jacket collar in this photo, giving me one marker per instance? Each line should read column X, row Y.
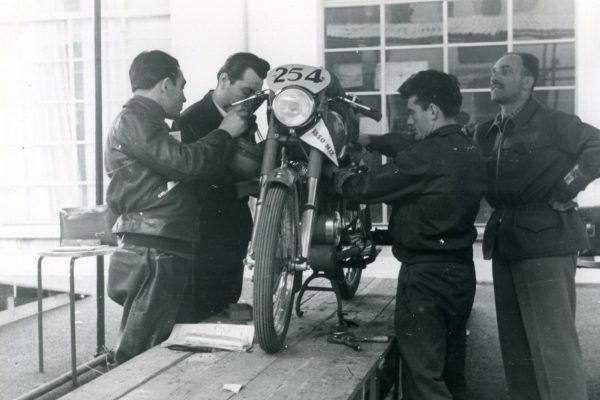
column 147, row 106
column 445, row 130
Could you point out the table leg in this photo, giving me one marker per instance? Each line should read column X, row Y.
column 40, row 327
column 72, row 315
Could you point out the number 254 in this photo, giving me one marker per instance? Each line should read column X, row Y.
column 295, row 74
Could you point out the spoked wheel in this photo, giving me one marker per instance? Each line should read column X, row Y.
column 349, row 284
column 350, row 276
column 276, row 248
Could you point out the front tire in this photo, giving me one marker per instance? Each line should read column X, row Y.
column 276, row 249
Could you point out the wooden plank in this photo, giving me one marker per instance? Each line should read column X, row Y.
column 306, row 344
column 320, row 370
column 129, row 375
column 161, row 373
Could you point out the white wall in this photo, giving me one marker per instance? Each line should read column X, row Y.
column 204, row 33
column 587, row 14
column 286, row 31
column 588, row 60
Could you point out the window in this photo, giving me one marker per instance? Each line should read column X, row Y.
column 374, row 46
column 47, row 102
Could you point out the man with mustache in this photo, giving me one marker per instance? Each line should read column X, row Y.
column 538, row 159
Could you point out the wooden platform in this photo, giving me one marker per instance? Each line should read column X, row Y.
column 309, row 368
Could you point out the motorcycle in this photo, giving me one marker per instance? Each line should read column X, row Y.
column 299, row 223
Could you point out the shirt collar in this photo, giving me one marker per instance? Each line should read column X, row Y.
column 219, row 108
column 502, row 119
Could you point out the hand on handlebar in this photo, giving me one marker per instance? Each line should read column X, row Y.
column 236, row 121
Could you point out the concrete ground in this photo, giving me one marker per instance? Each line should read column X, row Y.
column 18, row 340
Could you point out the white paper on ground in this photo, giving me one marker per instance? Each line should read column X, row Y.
column 232, row 387
column 217, row 336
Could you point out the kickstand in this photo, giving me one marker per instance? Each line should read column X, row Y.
column 342, row 322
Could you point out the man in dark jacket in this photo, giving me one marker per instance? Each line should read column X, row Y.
column 225, row 218
column 434, row 184
column 150, row 273
column 538, row 159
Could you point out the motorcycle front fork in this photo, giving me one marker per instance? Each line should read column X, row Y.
column 308, row 210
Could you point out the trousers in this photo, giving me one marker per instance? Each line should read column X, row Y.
column 154, row 288
column 535, row 307
column 433, row 305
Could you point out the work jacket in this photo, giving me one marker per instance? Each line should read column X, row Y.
column 538, row 158
column 146, row 164
column 434, row 186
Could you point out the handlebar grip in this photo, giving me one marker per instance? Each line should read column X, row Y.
column 361, row 108
column 369, row 112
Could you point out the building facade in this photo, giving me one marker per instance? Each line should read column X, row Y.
column 47, row 96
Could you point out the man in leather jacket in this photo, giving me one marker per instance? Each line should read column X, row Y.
column 538, row 159
column 150, row 273
column 434, row 185
column 225, row 218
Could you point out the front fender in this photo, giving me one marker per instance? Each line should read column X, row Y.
column 285, row 176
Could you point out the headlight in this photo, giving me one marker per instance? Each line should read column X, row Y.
column 293, row 107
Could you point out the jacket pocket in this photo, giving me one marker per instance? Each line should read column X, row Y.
column 537, row 222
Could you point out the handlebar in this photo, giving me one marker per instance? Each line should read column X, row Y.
column 254, row 101
column 360, row 108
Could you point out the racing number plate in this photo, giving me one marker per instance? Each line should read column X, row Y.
column 311, row 78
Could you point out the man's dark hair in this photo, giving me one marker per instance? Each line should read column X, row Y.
column 150, row 67
column 236, row 64
column 531, row 65
column 431, row 86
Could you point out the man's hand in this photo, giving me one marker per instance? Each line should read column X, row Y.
column 235, row 122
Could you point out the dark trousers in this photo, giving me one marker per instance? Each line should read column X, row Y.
column 535, row 307
column 219, row 273
column 154, row 289
column 225, row 229
column 433, row 304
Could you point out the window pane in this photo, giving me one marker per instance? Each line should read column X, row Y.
column 352, row 27
column 368, row 125
column 563, row 100
column 396, row 112
column 413, row 23
column 71, row 5
column 547, row 19
column 357, row 70
column 78, row 80
column 13, row 210
column 477, row 21
column 477, row 108
column 401, row 64
column 472, row 65
column 557, row 62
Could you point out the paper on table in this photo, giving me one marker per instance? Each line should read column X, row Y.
column 219, row 336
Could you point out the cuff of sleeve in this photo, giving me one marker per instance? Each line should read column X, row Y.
column 340, row 178
column 572, row 183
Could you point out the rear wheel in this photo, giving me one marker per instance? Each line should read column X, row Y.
column 349, row 283
column 276, row 249
column 349, row 278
